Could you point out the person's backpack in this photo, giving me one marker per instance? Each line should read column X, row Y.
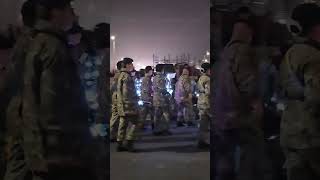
column 226, row 100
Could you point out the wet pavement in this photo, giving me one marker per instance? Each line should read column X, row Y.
column 162, row 158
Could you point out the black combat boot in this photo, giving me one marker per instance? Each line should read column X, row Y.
column 130, row 147
column 203, row 145
column 121, row 148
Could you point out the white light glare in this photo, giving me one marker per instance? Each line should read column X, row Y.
column 113, row 38
column 140, row 103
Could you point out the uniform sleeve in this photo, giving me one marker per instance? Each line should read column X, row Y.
column 245, row 69
column 114, row 82
column 312, row 84
column 207, row 87
column 120, row 88
column 199, row 86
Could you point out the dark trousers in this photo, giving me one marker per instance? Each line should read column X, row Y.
column 239, row 155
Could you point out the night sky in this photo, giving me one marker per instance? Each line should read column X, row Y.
column 145, row 27
column 142, row 27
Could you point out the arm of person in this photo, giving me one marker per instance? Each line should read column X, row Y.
column 246, row 75
column 312, row 85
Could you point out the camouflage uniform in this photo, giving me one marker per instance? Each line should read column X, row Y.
column 114, row 121
column 161, row 104
column 54, row 126
column 12, row 87
column 300, row 130
column 204, row 106
column 127, row 106
column 183, row 97
column 146, row 97
column 246, row 134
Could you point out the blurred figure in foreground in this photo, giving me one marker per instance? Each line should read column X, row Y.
column 300, row 72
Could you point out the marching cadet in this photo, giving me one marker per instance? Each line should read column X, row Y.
column 204, row 105
column 161, row 103
column 127, row 106
column 146, row 95
column 183, row 97
column 300, row 74
column 114, row 121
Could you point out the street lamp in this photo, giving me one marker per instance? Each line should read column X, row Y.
column 208, row 53
column 113, row 38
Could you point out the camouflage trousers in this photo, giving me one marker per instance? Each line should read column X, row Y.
column 146, row 110
column 302, row 164
column 204, row 124
column 125, row 132
column 185, row 112
column 240, row 155
column 114, row 122
column 16, row 167
column 161, row 119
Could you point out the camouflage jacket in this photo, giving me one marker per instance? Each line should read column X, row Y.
column 239, row 58
column 183, row 91
column 127, row 99
column 160, row 96
column 113, row 87
column 300, row 126
column 55, row 127
column 146, row 89
column 12, row 87
column 204, row 92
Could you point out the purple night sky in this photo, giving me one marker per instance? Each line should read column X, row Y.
column 146, row 27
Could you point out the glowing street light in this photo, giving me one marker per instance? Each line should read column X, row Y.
column 208, row 53
column 113, row 38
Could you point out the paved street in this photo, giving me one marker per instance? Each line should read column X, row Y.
column 162, row 158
